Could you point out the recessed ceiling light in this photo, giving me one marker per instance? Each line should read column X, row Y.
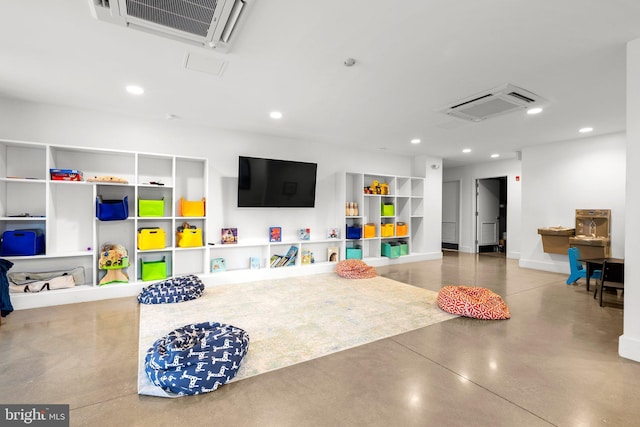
column 585, row 130
column 493, row 156
column 466, row 150
column 415, row 141
column 536, row 110
column 275, row 115
column 135, row 90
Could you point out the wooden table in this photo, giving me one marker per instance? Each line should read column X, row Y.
column 596, row 263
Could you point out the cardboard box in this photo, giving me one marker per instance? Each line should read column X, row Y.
column 65, row 175
column 555, row 240
column 592, row 247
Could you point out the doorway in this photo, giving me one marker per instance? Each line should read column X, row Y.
column 491, row 215
column 450, row 215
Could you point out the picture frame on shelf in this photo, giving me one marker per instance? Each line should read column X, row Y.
column 333, row 254
column 229, row 236
column 304, row 233
column 275, row 234
column 306, row 257
column 333, row 233
column 218, row 265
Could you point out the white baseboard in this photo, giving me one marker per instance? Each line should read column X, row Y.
column 85, row 293
column 629, row 347
column 553, row 267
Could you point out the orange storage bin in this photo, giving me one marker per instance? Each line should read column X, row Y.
column 192, row 208
column 387, row 230
column 369, row 231
column 402, row 229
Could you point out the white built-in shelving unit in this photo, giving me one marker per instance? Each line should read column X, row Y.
column 65, row 212
column 406, row 194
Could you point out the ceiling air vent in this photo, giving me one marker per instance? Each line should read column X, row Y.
column 207, row 23
column 493, row 102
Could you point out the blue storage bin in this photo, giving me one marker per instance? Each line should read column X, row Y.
column 22, row 242
column 354, row 231
column 112, row 210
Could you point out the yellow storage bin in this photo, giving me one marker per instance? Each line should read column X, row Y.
column 369, row 230
column 192, row 208
column 402, row 229
column 189, row 238
column 151, row 238
column 387, row 230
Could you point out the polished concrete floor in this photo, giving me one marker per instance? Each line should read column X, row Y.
column 554, row 362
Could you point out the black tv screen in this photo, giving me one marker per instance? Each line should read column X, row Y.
column 270, row 183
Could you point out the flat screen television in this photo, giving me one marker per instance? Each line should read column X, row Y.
column 271, row 183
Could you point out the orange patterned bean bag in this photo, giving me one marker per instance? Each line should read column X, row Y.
column 355, row 269
column 473, row 301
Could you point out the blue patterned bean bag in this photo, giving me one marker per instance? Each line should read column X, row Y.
column 196, row 358
column 175, row 289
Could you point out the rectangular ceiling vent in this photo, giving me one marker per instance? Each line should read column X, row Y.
column 207, row 23
column 493, row 102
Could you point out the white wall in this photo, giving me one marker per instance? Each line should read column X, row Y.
column 467, row 176
column 629, row 345
column 80, row 127
column 557, row 179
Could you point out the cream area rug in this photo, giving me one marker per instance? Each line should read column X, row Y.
column 296, row 319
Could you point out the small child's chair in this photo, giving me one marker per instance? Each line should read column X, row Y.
column 577, row 270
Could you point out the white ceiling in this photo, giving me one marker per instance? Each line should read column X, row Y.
column 413, row 58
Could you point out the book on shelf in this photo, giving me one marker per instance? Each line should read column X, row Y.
column 254, row 262
column 229, row 236
column 304, row 233
column 284, row 260
column 218, row 265
column 333, row 254
column 333, row 233
column 275, row 234
column 307, row 257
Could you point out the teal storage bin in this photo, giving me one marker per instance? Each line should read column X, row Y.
column 354, row 253
column 404, row 248
column 391, row 250
column 388, row 209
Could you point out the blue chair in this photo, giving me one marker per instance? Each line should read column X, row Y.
column 577, row 270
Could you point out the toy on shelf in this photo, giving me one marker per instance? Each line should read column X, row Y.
column 114, row 259
column 377, row 188
column 108, row 179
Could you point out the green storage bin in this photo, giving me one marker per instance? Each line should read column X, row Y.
column 391, row 250
column 388, row 209
column 154, row 270
column 354, row 253
column 151, row 207
column 404, row 248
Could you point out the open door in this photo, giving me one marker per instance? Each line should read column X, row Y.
column 487, row 214
column 450, row 214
